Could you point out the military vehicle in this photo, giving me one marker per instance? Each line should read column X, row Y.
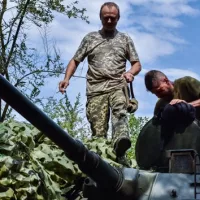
column 170, row 173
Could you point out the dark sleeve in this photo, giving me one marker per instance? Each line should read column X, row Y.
column 159, row 105
column 81, row 53
column 131, row 51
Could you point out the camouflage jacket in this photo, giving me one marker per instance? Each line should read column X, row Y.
column 186, row 88
column 106, row 60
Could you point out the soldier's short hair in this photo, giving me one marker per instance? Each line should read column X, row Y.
column 151, row 77
column 110, row 4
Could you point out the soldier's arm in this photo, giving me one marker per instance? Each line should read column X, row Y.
column 195, row 103
column 132, row 56
column 196, row 90
column 71, row 68
column 135, row 68
column 79, row 56
column 193, row 86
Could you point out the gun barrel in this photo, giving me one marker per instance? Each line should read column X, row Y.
column 89, row 162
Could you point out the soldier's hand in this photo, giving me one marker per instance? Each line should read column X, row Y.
column 175, row 101
column 63, row 85
column 128, row 76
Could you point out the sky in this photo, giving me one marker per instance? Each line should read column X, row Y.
column 165, row 34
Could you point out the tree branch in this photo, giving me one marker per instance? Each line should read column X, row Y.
column 16, row 34
column 3, row 60
column 42, row 71
column 11, row 28
column 4, row 112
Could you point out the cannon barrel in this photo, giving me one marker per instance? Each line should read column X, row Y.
column 106, row 176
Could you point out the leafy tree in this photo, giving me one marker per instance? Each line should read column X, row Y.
column 135, row 125
column 68, row 116
column 21, row 64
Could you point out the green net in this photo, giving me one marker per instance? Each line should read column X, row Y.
column 33, row 167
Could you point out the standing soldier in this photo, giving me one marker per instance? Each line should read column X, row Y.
column 107, row 51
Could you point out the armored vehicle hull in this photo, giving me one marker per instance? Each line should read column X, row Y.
column 148, row 146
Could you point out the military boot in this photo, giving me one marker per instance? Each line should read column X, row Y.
column 121, row 146
column 123, row 161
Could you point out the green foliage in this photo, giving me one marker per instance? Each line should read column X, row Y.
column 27, row 70
column 68, row 116
column 33, row 167
column 27, row 165
column 43, row 11
column 25, row 67
column 135, row 125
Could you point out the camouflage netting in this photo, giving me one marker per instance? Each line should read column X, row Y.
column 33, row 167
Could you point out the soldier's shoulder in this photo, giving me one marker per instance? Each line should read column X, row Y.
column 160, row 102
column 185, row 80
column 125, row 35
column 91, row 35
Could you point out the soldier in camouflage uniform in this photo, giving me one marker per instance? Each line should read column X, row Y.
column 186, row 89
column 107, row 51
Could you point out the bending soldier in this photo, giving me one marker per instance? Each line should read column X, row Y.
column 178, row 104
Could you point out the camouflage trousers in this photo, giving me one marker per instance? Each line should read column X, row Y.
column 98, row 111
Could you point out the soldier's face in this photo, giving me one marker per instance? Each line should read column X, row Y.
column 109, row 18
column 162, row 89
